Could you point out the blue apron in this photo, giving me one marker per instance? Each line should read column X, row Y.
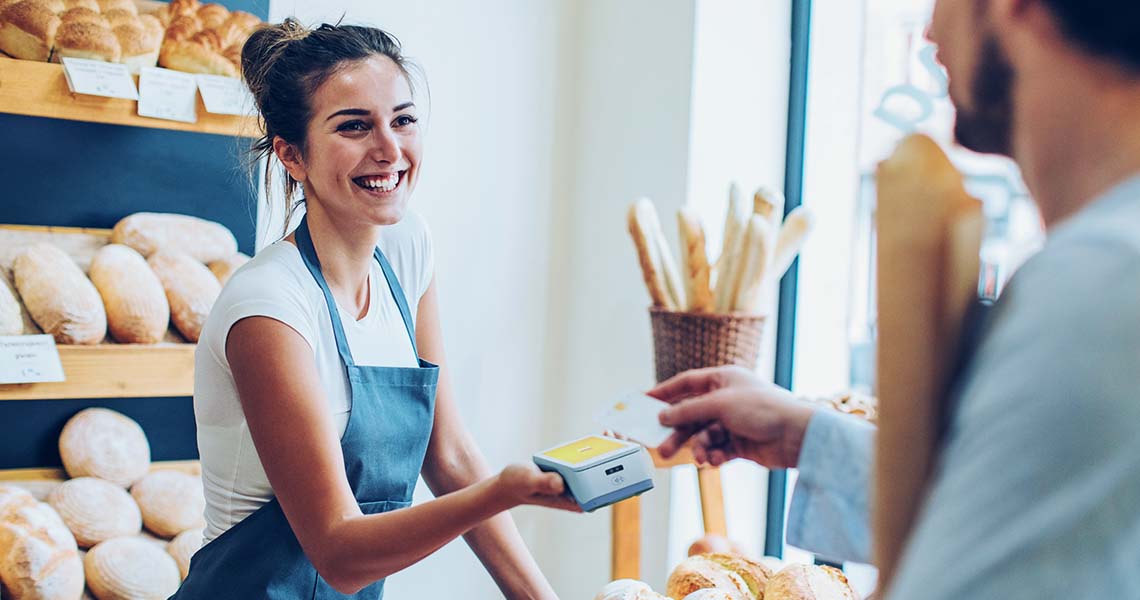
column 384, row 446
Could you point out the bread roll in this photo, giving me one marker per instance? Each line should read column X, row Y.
column 213, row 15
column 38, row 556
column 27, row 30
column 182, row 28
column 190, row 288
column 137, row 309
column 638, row 221
column 699, row 572
column 109, row 5
column 171, row 502
column 754, row 574
column 712, row 543
column 205, row 241
column 98, row 442
column 130, row 568
column 11, row 318
column 222, row 269
column 139, row 48
column 86, row 39
column 118, row 16
column 247, row 21
column 84, row 6
column 95, row 510
column 809, row 582
column 196, row 57
column 694, row 262
column 60, row 298
column 183, row 547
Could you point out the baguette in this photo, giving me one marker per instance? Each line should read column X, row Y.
column 769, row 204
column 673, row 280
column 695, row 261
column 754, row 263
column 734, row 223
column 648, row 253
column 791, row 239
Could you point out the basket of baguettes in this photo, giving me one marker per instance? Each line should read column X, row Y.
column 184, row 35
column 706, row 313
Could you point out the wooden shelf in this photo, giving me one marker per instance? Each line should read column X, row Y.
column 115, row 371
column 38, row 89
column 55, row 475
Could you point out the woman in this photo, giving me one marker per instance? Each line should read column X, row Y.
column 309, row 457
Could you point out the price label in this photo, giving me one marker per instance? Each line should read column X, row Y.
column 98, row 78
column 29, row 359
column 225, row 95
column 166, row 94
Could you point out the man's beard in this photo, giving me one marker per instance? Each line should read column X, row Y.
column 988, row 126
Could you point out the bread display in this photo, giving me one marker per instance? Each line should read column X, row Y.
column 133, row 296
column 39, row 559
column 928, row 240
column 809, row 582
column 171, row 502
column 222, row 269
column 59, row 297
column 183, row 547
column 130, row 568
column 190, row 289
column 98, row 442
column 205, row 241
column 95, row 510
column 27, row 30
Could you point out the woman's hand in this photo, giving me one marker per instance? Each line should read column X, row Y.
column 525, row 484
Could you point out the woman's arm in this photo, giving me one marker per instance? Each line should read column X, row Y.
column 454, row 462
column 297, row 442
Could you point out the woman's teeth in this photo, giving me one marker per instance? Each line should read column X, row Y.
column 385, row 183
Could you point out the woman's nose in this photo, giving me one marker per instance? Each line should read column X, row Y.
column 385, row 147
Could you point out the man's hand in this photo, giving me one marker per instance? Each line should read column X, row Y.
column 730, row 413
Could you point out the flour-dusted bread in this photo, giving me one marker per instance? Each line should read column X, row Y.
column 130, row 568
column 39, row 559
column 60, row 298
column 171, row 502
column 809, row 582
column 700, row 572
column 190, row 288
column 135, row 301
column 148, row 233
column 11, row 319
column 183, row 547
column 95, row 510
column 98, row 442
column 222, row 269
column 754, row 573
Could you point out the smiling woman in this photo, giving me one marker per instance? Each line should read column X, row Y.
column 314, row 424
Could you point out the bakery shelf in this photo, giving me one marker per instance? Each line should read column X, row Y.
column 38, row 89
column 115, row 371
column 42, row 480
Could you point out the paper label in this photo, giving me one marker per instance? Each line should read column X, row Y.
column 98, row 78
column 29, row 359
column 225, row 95
column 166, row 94
column 634, row 416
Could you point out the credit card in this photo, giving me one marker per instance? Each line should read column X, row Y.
column 634, row 416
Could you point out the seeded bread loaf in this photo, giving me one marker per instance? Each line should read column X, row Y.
column 63, row 302
column 27, row 30
column 190, row 289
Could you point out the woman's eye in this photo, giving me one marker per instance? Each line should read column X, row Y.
column 405, row 120
column 353, row 126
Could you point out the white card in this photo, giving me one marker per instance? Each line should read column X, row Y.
column 29, row 359
column 635, row 416
column 166, row 94
column 225, row 95
column 98, row 78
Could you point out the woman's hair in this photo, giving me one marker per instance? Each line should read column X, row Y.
column 283, row 65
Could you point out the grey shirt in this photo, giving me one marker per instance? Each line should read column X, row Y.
column 1037, row 492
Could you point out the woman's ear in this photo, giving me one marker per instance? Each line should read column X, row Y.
column 290, row 156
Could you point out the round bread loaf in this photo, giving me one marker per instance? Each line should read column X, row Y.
column 137, row 309
column 183, row 547
column 130, row 568
column 57, row 294
column 38, row 555
column 171, row 502
column 809, row 582
column 95, row 510
column 98, row 442
column 754, row 574
column 699, row 572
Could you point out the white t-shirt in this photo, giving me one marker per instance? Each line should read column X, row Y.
column 275, row 283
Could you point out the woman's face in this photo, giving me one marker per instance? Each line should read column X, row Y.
column 362, row 155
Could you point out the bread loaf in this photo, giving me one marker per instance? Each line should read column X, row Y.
column 139, row 48
column 190, row 288
column 11, row 319
column 694, row 262
column 699, row 572
column 135, row 301
column 98, row 442
column 809, row 582
column 213, row 15
column 63, row 302
column 130, row 568
column 27, row 30
column 82, row 13
column 82, row 38
column 225, row 267
column 183, row 547
column 205, row 241
column 38, row 556
column 196, row 57
column 716, row 594
column 95, row 510
column 754, row 574
column 171, row 502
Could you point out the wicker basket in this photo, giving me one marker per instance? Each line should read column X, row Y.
column 685, row 340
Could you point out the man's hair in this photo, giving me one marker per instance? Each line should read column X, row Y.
column 1106, row 28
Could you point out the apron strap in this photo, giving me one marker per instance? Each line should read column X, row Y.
column 399, row 297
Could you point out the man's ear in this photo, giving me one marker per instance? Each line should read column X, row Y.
column 290, row 156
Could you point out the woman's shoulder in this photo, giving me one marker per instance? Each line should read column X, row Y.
column 408, row 246
column 276, row 268
column 409, row 233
